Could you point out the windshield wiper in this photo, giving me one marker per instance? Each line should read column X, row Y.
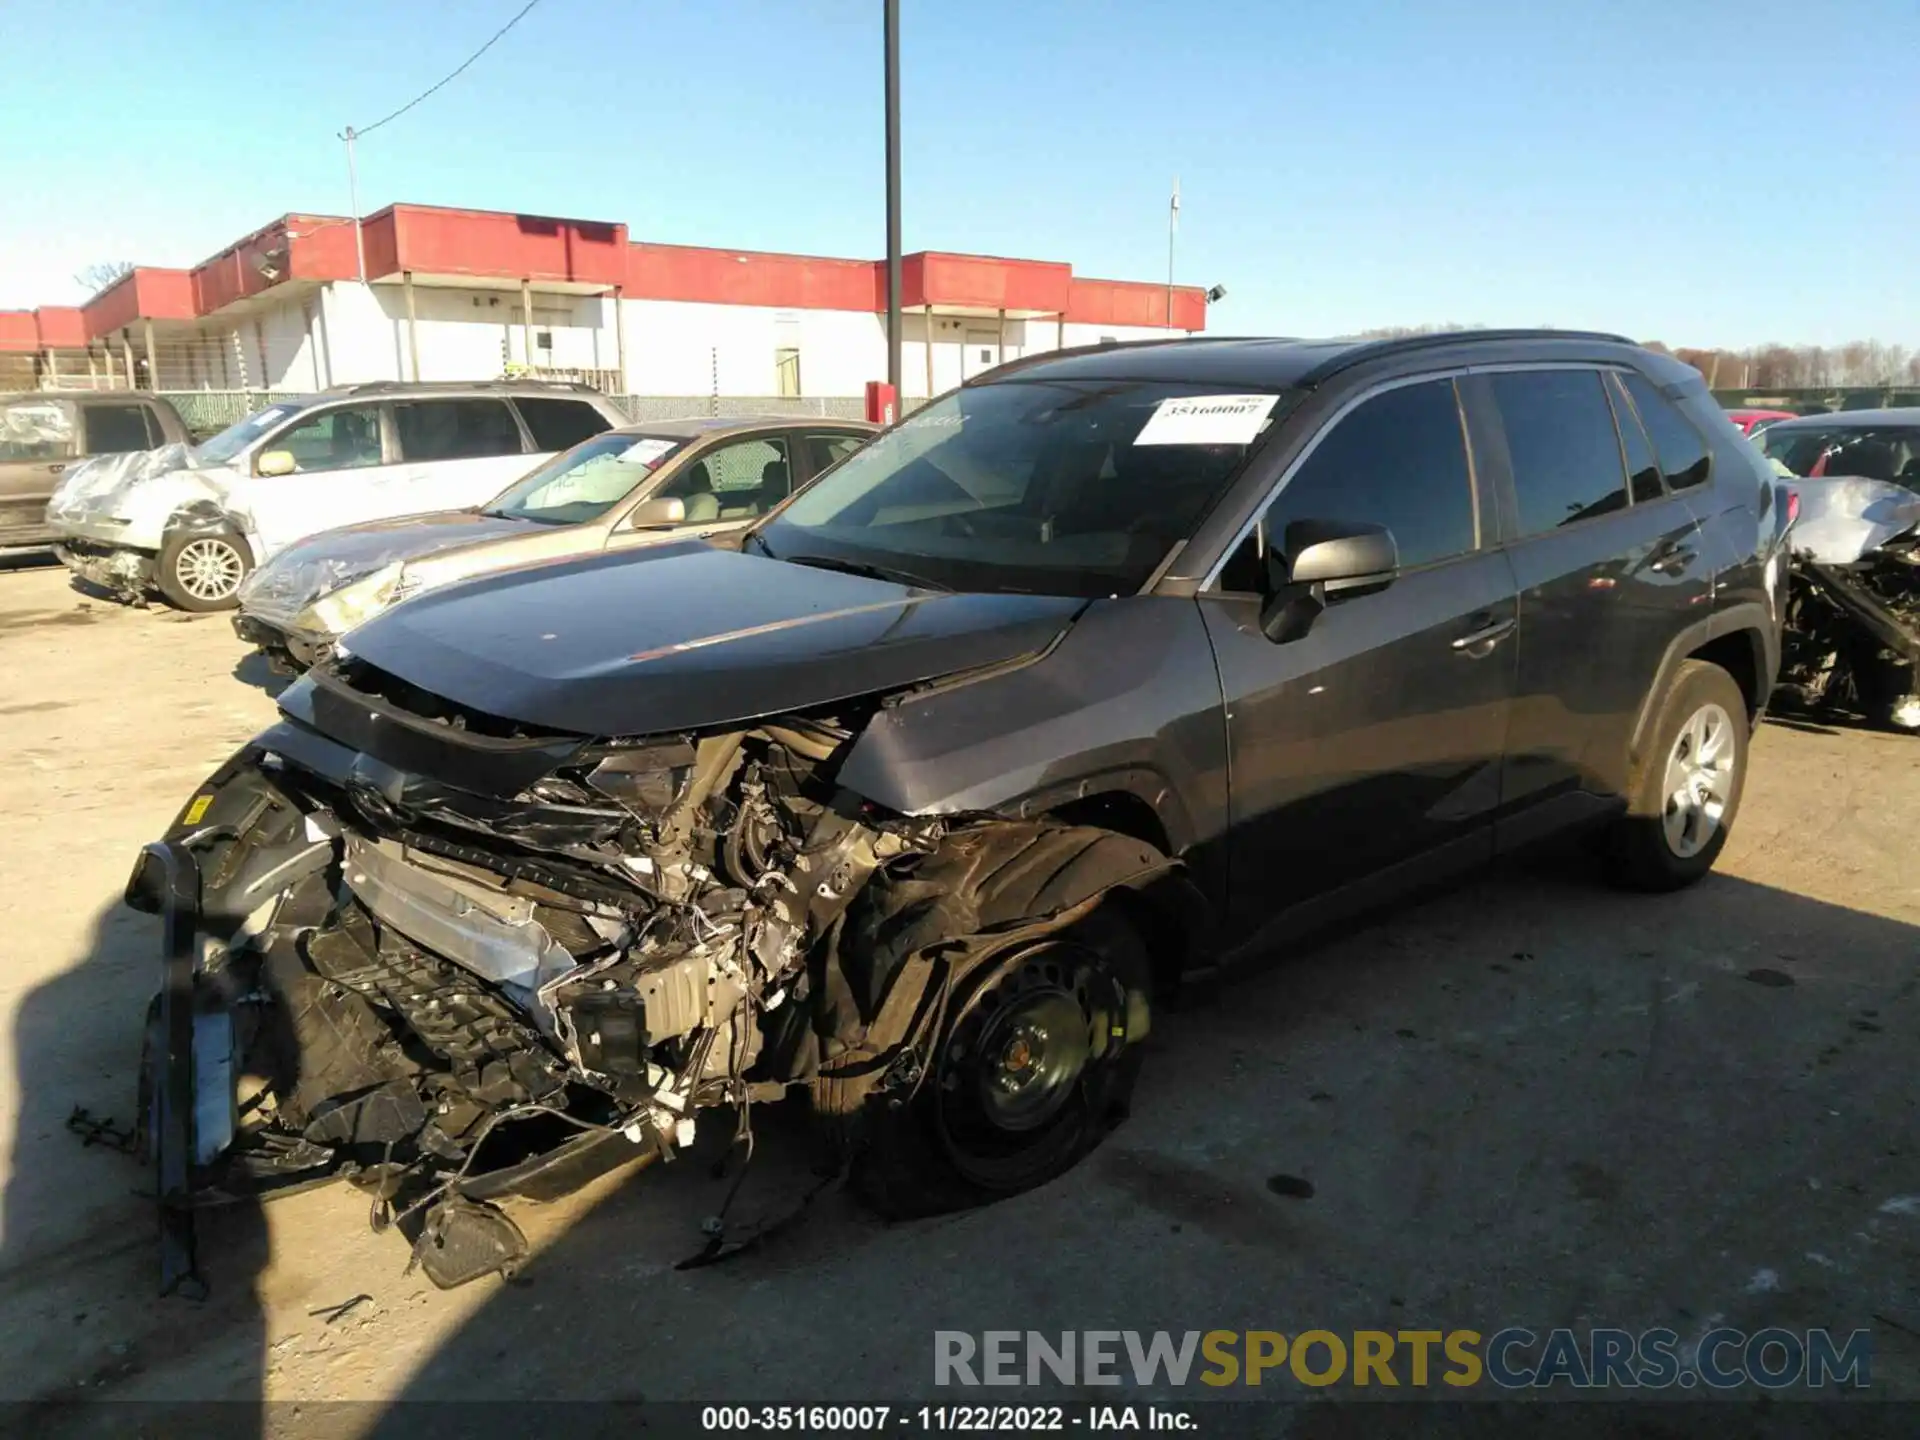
column 860, row 567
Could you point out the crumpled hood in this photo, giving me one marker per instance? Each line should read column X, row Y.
column 688, row 636
column 1843, row 518
column 136, row 486
column 300, row 574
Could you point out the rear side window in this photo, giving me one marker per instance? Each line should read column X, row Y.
column 115, row 429
column 560, row 424
column 36, row 430
column 1643, row 470
column 1683, row 451
column 825, row 450
column 455, row 430
column 1565, row 451
column 1398, row 460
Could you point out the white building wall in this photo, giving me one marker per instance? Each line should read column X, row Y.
column 673, row 348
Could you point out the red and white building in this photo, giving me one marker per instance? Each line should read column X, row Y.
column 475, row 294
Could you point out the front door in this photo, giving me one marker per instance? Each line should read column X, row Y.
column 726, row 487
column 1376, row 737
column 338, row 476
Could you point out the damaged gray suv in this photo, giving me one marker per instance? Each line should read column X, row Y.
column 1104, row 670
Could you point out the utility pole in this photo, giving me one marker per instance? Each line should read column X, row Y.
column 353, row 199
column 892, row 26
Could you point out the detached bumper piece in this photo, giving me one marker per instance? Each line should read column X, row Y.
column 126, row 573
column 170, row 1083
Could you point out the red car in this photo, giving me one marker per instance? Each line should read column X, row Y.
column 1752, row 422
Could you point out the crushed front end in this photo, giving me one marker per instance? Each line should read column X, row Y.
column 452, row 960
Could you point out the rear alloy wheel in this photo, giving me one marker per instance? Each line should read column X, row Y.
column 1032, row 1068
column 202, row 572
column 1689, row 791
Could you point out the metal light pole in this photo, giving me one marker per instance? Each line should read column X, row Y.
column 1173, row 224
column 892, row 26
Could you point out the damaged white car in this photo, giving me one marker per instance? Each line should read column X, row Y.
column 192, row 521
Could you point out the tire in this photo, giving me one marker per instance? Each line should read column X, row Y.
column 1683, row 808
column 202, row 573
column 974, row 1131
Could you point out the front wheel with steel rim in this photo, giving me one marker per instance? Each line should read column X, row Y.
column 1031, row 1068
column 202, row 572
column 1689, row 783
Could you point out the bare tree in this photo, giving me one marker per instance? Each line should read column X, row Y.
column 102, row 275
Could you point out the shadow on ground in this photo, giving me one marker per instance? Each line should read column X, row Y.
column 79, row 1258
column 1531, row 1102
column 254, row 669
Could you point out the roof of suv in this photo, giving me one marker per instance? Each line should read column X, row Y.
column 693, row 427
column 1851, row 419
column 443, row 388
column 1268, row 364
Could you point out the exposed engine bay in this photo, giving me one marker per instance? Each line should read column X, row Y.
column 1852, row 642
column 453, row 993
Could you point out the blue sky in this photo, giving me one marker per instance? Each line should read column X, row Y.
column 1695, row 171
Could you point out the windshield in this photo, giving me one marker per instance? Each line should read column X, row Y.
column 219, row 449
column 1872, row 453
column 585, row 482
column 1050, row 486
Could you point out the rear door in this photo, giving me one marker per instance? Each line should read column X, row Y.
column 1609, row 570
column 340, row 476
column 38, row 440
column 1376, row 737
column 454, row 453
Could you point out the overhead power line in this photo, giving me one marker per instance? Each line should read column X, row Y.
column 452, row 75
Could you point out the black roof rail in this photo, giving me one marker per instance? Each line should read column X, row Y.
column 385, row 387
column 1361, row 351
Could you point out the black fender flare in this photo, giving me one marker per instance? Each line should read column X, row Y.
column 999, row 878
column 1750, row 618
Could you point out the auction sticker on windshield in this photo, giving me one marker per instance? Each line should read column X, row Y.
column 1207, row 420
column 646, row 452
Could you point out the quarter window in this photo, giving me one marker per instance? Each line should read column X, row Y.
column 1565, row 451
column 455, row 430
column 1683, row 453
column 346, row 439
column 1398, row 460
column 560, row 424
column 1643, row 470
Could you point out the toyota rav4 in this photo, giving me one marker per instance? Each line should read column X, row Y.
column 1106, row 669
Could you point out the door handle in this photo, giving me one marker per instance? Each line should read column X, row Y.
column 1673, row 560
column 1486, row 635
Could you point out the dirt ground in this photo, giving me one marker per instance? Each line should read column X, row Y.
column 1533, row 1102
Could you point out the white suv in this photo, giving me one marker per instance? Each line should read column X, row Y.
column 192, row 522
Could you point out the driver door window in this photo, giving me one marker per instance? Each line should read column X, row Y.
column 345, row 439
column 733, row 483
column 1397, row 460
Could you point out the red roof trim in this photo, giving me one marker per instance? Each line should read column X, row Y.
column 432, row 239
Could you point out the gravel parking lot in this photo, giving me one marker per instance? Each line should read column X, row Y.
column 1531, row 1102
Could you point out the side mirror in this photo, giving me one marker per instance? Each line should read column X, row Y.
column 1331, row 558
column 659, row 513
column 275, row 462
